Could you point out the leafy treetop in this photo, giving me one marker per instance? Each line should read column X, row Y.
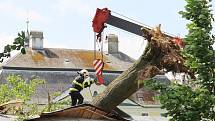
column 18, row 44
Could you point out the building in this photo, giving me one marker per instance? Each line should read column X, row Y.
column 59, row 66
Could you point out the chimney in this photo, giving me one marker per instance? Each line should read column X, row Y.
column 112, row 43
column 36, row 40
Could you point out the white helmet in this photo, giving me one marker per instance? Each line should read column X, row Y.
column 84, row 72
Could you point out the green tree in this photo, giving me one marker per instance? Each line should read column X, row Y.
column 17, row 88
column 183, row 103
column 18, row 44
column 188, row 102
column 199, row 51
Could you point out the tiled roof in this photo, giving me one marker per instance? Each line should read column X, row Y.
column 68, row 58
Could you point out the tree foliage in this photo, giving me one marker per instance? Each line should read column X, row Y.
column 183, row 103
column 194, row 102
column 199, row 51
column 17, row 88
column 18, row 44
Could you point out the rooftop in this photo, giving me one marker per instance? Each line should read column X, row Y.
column 67, row 58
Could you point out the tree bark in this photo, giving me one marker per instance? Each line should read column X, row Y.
column 157, row 55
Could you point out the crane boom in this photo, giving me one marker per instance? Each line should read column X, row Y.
column 104, row 16
column 125, row 25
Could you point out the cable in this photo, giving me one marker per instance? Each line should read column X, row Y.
column 132, row 19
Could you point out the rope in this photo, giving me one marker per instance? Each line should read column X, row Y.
column 99, row 45
column 102, row 34
column 94, row 45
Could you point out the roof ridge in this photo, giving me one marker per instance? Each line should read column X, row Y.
column 70, row 49
column 11, row 59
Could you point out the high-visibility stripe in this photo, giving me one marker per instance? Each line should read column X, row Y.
column 88, row 83
column 72, row 89
column 75, row 82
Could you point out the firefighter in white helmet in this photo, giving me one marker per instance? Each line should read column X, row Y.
column 79, row 83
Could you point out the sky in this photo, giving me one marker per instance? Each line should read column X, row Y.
column 68, row 23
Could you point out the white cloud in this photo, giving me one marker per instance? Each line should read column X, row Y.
column 4, row 40
column 6, row 7
column 31, row 15
column 132, row 45
column 129, row 43
column 73, row 6
column 20, row 13
column 50, row 44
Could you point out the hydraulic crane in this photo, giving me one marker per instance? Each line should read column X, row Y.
column 104, row 16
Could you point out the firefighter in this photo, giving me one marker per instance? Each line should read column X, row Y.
column 79, row 83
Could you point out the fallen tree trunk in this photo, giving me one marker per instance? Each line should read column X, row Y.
column 160, row 54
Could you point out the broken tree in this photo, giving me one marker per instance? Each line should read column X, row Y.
column 161, row 55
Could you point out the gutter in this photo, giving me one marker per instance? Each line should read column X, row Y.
column 55, row 69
